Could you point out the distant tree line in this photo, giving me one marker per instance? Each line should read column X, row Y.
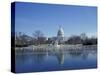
column 22, row 39
column 82, row 39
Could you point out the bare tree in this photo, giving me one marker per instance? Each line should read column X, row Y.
column 38, row 34
column 83, row 36
column 74, row 40
column 39, row 37
column 21, row 39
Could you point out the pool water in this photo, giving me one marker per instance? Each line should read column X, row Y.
column 55, row 60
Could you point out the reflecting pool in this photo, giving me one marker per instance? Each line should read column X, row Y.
column 53, row 60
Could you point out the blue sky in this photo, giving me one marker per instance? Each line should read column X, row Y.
column 47, row 18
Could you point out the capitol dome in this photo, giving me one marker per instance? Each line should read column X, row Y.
column 60, row 32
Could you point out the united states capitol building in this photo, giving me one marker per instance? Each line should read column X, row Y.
column 60, row 38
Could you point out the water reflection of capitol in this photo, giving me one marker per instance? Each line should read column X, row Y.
column 61, row 55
